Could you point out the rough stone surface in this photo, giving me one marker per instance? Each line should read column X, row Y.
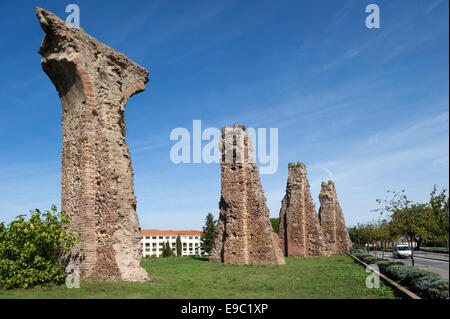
column 94, row 83
column 332, row 220
column 244, row 233
column 299, row 232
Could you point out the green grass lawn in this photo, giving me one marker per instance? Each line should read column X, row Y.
column 337, row 276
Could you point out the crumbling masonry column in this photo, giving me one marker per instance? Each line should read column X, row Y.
column 300, row 233
column 332, row 220
column 244, row 233
column 94, row 83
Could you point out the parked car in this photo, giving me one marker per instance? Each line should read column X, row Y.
column 401, row 251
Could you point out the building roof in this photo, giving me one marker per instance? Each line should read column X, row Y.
column 158, row 232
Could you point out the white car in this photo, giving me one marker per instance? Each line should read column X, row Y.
column 401, row 251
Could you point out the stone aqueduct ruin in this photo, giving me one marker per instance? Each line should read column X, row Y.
column 94, row 83
column 304, row 233
column 299, row 229
column 244, row 233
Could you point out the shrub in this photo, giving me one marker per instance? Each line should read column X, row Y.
column 425, row 284
column 31, row 252
column 413, row 275
column 383, row 264
column 370, row 259
column 433, row 287
column 397, row 273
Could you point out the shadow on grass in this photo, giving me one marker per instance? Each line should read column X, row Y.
column 201, row 258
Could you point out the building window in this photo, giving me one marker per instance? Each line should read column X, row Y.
column 173, row 237
column 160, row 237
column 154, row 237
column 190, row 237
column 196, row 237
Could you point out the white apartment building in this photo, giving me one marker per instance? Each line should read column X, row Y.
column 153, row 239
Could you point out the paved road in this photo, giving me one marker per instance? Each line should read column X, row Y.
column 437, row 256
column 422, row 260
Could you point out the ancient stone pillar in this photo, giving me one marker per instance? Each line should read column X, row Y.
column 244, row 233
column 332, row 220
column 94, row 83
column 299, row 232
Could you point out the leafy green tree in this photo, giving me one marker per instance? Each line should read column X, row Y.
column 384, row 235
column 372, row 235
column 366, row 233
column 208, row 234
column 167, row 250
column 362, row 235
column 275, row 224
column 439, row 203
column 354, row 235
column 179, row 246
column 408, row 218
column 34, row 252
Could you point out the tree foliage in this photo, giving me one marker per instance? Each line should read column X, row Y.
column 275, row 224
column 208, row 234
column 179, row 246
column 167, row 250
column 32, row 251
column 439, row 203
column 420, row 223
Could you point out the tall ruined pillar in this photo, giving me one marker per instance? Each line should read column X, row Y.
column 332, row 220
column 94, row 83
column 299, row 231
column 244, row 233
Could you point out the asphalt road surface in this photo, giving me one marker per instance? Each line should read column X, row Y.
column 438, row 263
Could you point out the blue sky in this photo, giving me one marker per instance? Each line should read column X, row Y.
column 367, row 108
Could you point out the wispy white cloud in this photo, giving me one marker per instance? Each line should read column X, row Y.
column 431, row 7
column 427, row 128
column 415, row 155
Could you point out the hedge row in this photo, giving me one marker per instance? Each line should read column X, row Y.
column 425, row 284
